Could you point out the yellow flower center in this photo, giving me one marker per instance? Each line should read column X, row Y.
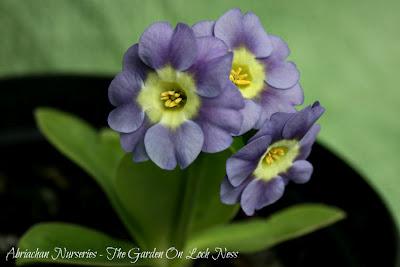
column 169, row 97
column 278, row 158
column 173, row 99
column 275, row 154
column 239, row 77
column 247, row 73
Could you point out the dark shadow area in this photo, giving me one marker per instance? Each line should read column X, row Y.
column 38, row 184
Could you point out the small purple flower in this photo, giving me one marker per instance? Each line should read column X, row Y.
column 276, row 154
column 173, row 97
column 260, row 71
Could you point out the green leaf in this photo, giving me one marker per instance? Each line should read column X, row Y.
column 168, row 206
column 203, row 201
column 97, row 153
column 54, row 236
column 237, row 144
column 259, row 234
column 81, row 143
column 150, row 195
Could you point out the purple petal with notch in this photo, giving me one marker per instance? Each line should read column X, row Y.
column 183, row 47
column 169, row 147
column 230, row 194
column 160, row 147
column 256, row 38
column 251, row 115
column 212, row 77
column 229, row 28
column 216, row 139
column 154, row 44
column 282, row 75
column 230, row 97
column 307, row 141
column 300, row 172
column 123, row 88
column 204, row 28
column 126, row 118
column 133, row 64
column 299, row 124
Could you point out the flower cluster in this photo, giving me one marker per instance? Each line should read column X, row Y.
column 186, row 89
column 276, row 154
column 267, row 82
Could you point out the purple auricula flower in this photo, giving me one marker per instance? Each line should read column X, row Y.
column 268, row 82
column 173, row 97
column 276, row 154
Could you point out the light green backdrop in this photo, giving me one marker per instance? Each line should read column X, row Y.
column 348, row 53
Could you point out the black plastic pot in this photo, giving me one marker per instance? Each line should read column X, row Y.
column 38, row 184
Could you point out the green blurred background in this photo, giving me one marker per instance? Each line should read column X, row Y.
column 348, row 53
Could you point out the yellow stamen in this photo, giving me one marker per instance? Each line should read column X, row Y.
column 275, row 154
column 173, row 104
column 164, row 94
column 239, row 79
column 167, row 103
column 172, row 99
column 241, row 82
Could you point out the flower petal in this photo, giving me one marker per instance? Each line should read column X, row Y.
column 282, row 75
column 307, row 141
column 204, row 28
column 126, row 118
column 293, row 95
column 230, row 194
column 259, row 194
column 160, row 147
column 212, row 77
column 272, row 101
column 169, row 147
column 227, row 119
column 273, row 126
column 183, row 47
column 154, row 44
column 253, row 150
column 134, row 142
column 251, row 115
column 230, row 97
column 271, row 191
column 298, row 125
column 215, row 138
column 229, row 28
column 243, row 163
column 188, row 140
column 238, row 170
column 123, row 88
column 300, row 172
column 130, row 140
column 139, row 153
column 133, row 64
column 257, row 39
column 280, row 49
column 209, row 48
column 250, row 196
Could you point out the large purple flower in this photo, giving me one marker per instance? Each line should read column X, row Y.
column 259, row 70
column 173, row 97
column 276, row 154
